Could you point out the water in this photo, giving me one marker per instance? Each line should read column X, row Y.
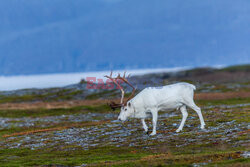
column 8, row 83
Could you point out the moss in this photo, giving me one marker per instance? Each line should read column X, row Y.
column 234, row 162
column 102, row 94
column 239, row 115
column 73, row 157
column 46, row 95
column 53, row 112
column 220, row 158
column 245, row 68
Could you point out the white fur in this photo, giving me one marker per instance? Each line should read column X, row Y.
column 153, row 99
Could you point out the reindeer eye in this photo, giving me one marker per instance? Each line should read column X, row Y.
column 125, row 109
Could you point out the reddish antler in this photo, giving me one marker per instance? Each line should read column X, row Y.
column 127, row 82
column 117, row 84
column 114, row 105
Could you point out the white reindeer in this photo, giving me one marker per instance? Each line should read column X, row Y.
column 153, row 99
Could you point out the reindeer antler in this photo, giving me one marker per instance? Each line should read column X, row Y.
column 114, row 105
column 119, row 86
column 127, row 82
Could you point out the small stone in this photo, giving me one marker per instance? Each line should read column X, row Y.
column 246, row 154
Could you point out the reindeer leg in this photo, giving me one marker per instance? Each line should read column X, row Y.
column 145, row 127
column 154, row 120
column 198, row 111
column 184, row 117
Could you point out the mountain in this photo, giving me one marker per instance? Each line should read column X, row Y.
column 89, row 35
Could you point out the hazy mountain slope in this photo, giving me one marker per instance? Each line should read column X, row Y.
column 67, row 36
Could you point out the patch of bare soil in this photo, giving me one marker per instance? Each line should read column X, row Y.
column 221, row 96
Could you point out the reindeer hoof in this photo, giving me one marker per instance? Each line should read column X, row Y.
column 152, row 134
column 202, row 126
column 178, row 130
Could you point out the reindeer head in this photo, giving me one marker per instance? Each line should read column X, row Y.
column 126, row 107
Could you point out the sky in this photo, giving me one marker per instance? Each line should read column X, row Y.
column 62, row 36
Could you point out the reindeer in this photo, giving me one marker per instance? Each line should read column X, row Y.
column 153, row 99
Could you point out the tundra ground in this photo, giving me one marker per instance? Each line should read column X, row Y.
column 90, row 135
column 87, row 133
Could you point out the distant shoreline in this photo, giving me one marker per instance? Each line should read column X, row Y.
column 9, row 83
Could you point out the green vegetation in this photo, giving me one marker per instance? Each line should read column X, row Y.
column 27, row 157
column 173, row 151
column 54, row 94
column 89, row 135
column 112, row 156
column 53, row 112
column 103, row 94
column 245, row 68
